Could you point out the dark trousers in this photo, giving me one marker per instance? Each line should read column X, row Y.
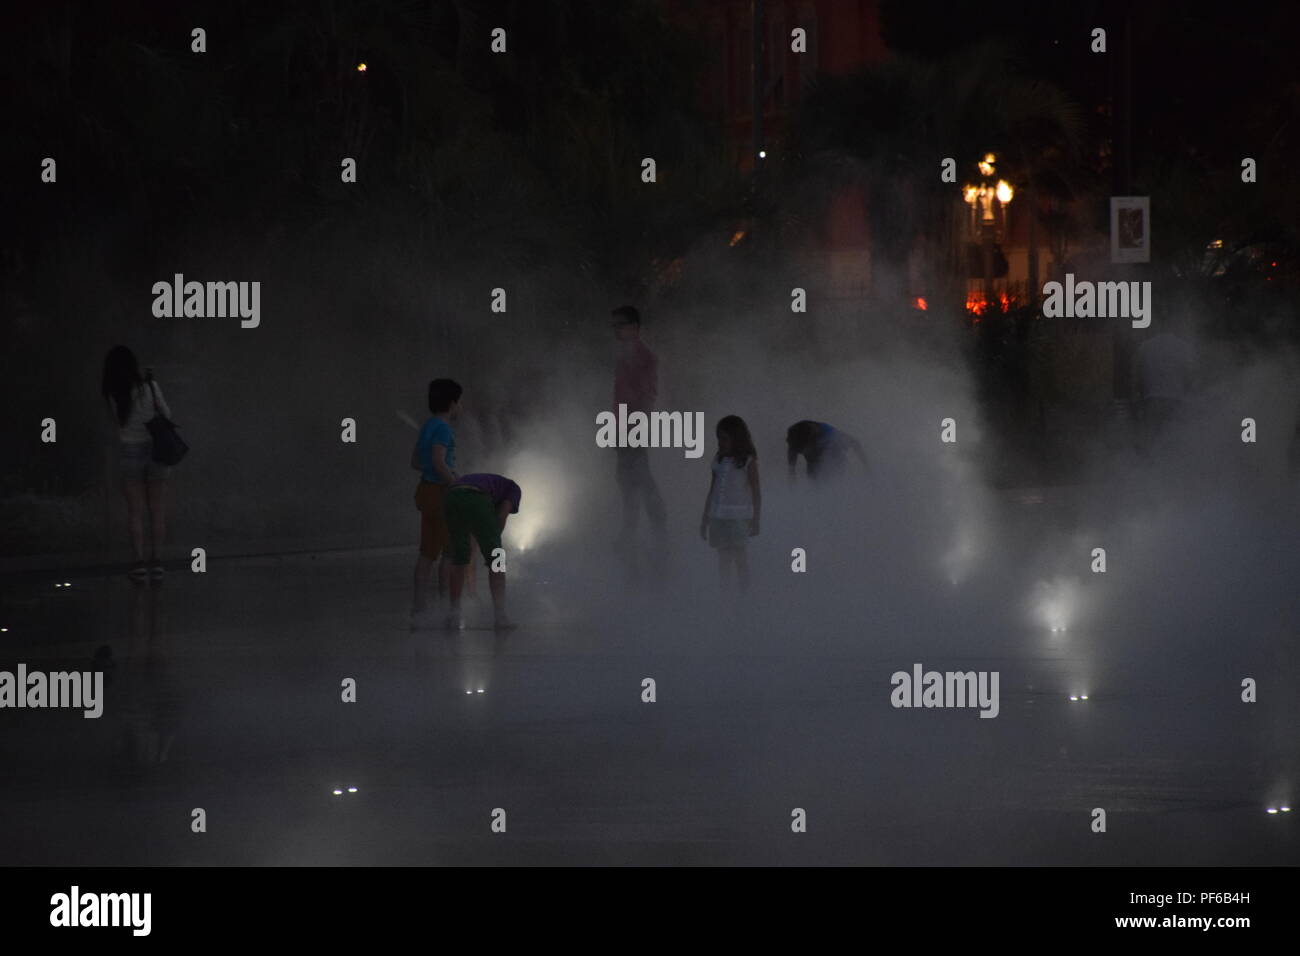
column 1157, row 416
column 639, row 489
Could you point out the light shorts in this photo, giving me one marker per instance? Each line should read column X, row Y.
column 136, row 462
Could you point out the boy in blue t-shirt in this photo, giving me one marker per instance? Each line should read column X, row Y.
column 434, row 457
column 825, row 448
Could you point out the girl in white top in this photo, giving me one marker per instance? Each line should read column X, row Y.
column 132, row 401
column 734, row 503
column 146, row 402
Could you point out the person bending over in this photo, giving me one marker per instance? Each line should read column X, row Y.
column 825, row 449
column 478, row 506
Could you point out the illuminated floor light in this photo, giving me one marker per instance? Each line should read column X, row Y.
column 338, row 793
column 352, row 789
column 1084, row 697
column 1285, row 809
column 480, row 690
column 1073, row 697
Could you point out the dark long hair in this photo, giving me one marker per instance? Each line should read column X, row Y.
column 742, row 446
column 801, row 438
column 121, row 378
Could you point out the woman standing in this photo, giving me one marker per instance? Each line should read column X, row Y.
column 133, row 400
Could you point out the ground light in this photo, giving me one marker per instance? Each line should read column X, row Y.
column 1055, row 603
column 545, row 504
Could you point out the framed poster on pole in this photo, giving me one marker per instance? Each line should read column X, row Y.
column 1130, row 228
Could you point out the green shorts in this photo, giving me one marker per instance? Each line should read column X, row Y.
column 470, row 512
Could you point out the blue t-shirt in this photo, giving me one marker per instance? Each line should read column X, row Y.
column 435, row 432
column 831, row 453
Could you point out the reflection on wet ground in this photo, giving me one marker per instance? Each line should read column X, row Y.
column 224, row 693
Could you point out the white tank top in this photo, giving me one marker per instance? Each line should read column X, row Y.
column 731, row 497
column 142, row 409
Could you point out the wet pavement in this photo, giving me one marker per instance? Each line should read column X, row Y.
column 224, row 693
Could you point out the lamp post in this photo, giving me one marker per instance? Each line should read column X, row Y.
column 989, row 220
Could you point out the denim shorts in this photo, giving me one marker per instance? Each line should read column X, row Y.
column 137, row 462
column 728, row 534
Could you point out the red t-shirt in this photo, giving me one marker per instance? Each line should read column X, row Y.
column 635, row 378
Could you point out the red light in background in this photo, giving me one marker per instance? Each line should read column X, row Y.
column 977, row 304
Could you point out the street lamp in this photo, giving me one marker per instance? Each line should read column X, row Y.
column 980, row 197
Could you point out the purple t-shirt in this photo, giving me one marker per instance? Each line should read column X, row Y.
column 499, row 489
